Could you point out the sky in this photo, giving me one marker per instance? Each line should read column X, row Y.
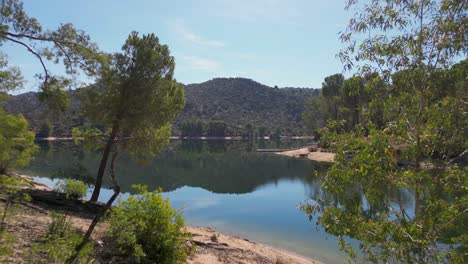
column 288, row 43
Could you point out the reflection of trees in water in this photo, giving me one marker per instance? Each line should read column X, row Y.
column 61, row 160
column 353, row 199
column 217, row 166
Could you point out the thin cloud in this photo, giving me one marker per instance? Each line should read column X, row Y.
column 198, row 63
column 187, row 34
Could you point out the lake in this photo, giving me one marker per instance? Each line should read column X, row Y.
column 225, row 185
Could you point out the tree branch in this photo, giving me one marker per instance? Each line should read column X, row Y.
column 36, row 54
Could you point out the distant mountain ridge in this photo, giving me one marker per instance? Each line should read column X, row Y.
column 236, row 101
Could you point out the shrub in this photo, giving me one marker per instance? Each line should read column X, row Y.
column 146, row 229
column 6, row 243
column 17, row 146
column 61, row 240
column 74, row 189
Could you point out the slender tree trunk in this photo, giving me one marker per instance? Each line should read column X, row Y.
column 356, row 116
column 5, row 211
column 98, row 216
column 103, row 164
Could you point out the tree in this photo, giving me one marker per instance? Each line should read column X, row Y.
column 412, row 45
column 352, row 96
column 316, row 113
column 331, row 90
column 216, row 129
column 16, row 142
column 262, row 132
column 10, row 77
column 45, row 129
column 248, row 132
column 193, row 128
column 276, row 135
column 326, row 106
column 135, row 100
column 67, row 45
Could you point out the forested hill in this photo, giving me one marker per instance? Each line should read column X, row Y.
column 238, row 102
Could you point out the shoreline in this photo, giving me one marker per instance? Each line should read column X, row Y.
column 228, row 138
column 226, row 248
column 310, row 153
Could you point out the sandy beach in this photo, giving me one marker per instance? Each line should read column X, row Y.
column 310, row 153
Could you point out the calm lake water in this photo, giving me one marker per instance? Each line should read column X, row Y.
column 225, row 185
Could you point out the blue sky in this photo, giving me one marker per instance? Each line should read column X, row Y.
column 276, row 42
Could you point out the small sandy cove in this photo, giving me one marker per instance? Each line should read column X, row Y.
column 30, row 223
column 311, row 153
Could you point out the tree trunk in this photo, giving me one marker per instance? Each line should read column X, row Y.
column 103, row 164
column 356, row 116
column 98, row 216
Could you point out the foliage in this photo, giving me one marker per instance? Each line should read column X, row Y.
column 199, row 128
column 409, row 99
column 66, row 45
column 262, row 132
column 367, row 205
column 347, row 101
column 61, row 240
column 276, row 135
column 135, row 100
column 74, row 189
column 146, row 229
column 6, row 242
column 193, row 128
column 236, row 101
column 239, row 102
column 45, row 130
column 10, row 77
column 16, row 142
column 216, row 129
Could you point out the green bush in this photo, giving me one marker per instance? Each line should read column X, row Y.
column 74, row 189
column 146, row 229
column 61, row 240
column 17, row 146
column 6, row 243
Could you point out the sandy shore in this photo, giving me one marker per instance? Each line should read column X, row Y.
column 306, row 153
column 212, row 247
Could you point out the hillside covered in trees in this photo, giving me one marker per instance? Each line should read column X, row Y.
column 229, row 106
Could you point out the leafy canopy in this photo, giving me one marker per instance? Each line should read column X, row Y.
column 66, row 45
column 395, row 186
column 137, row 94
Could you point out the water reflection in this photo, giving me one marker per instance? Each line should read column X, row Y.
column 225, row 185
column 216, row 166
